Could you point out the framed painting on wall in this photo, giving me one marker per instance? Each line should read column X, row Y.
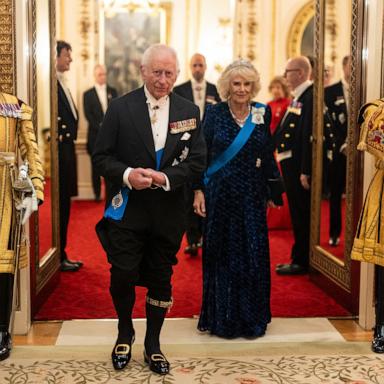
column 127, row 34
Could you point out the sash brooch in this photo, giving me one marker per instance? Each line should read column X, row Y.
column 258, row 115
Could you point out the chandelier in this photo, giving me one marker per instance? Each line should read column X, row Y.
column 111, row 7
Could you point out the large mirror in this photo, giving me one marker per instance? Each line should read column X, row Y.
column 336, row 80
column 336, row 184
column 43, row 100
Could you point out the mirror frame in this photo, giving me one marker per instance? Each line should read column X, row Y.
column 44, row 270
column 336, row 270
column 296, row 31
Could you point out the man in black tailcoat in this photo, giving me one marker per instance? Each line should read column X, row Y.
column 200, row 92
column 67, row 122
column 95, row 102
column 149, row 146
column 293, row 145
column 336, row 99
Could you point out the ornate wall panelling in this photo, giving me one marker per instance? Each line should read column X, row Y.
column 246, row 30
column 7, row 46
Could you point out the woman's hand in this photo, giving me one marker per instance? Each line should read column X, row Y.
column 199, row 203
column 271, row 204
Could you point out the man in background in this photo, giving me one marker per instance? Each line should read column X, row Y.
column 336, row 100
column 67, row 122
column 293, row 144
column 95, row 102
column 201, row 93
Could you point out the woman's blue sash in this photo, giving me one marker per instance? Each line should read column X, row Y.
column 235, row 147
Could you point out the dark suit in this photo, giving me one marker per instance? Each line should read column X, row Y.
column 94, row 114
column 67, row 132
column 142, row 246
column 337, row 110
column 211, row 96
column 294, row 134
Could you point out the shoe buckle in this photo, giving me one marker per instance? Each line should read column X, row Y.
column 158, row 357
column 122, row 349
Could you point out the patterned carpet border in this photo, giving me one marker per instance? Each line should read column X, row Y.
column 57, row 365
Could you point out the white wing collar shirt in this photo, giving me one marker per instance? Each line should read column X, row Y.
column 159, row 115
column 199, row 91
column 299, row 90
column 101, row 91
column 63, row 81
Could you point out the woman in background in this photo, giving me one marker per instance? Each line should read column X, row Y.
column 236, row 265
column 281, row 99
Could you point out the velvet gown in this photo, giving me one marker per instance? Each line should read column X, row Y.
column 236, row 262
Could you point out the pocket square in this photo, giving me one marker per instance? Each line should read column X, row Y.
column 186, row 136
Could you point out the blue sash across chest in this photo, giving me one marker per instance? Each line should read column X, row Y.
column 115, row 210
column 232, row 150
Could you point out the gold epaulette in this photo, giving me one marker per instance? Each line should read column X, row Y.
column 8, row 99
column 26, row 112
column 371, row 121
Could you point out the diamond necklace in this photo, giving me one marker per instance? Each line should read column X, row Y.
column 240, row 121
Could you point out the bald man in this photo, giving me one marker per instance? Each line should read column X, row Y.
column 95, row 102
column 293, row 144
column 198, row 90
column 201, row 93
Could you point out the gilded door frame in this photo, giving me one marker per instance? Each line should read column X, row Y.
column 44, row 271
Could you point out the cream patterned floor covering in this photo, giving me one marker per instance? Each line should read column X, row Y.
column 291, row 363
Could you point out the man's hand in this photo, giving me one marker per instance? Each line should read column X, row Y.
column 305, row 181
column 199, row 203
column 158, row 178
column 140, row 178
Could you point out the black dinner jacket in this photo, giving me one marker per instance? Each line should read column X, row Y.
column 67, row 122
column 94, row 113
column 67, row 125
column 126, row 140
column 294, row 133
column 337, row 109
column 211, row 94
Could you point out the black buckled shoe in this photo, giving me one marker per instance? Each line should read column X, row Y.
column 378, row 339
column 121, row 354
column 5, row 345
column 67, row 266
column 157, row 363
column 291, row 269
column 334, row 241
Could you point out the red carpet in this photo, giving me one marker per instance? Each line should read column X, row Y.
column 84, row 294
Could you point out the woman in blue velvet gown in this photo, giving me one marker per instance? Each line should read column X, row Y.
column 236, row 263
